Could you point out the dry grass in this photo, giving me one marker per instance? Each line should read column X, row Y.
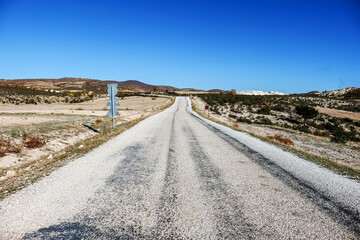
column 7, row 146
column 33, row 142
column 339, row 113
column 279, row 138
column 31, row 172
column 327, row 163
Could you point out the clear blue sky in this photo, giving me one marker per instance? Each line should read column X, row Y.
column 288, row 46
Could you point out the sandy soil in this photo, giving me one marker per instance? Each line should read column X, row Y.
column 16, row 120
column 339, row 113
column 68, row 119
column 95, row 107
column 347, row 154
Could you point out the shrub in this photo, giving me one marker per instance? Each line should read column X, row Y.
column 304, row 129
column 232, row 116
column 8, row 146
column 279, row 108
column 4, row 146
column 264, row 121
column 15, row 148
column 265, row 110
column 339, row 136
column 33, row 142
column 245, row 120
column 306, row 112
column 2, row 151
column 278, row 138
column 347, row 120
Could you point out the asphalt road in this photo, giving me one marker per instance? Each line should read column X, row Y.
column 176, row 176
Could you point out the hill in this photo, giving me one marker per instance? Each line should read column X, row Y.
column 78, row 84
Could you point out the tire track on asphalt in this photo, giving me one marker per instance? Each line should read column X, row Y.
column 336, row 211
column 134, row 170
column 167, row 212
column 231, row 222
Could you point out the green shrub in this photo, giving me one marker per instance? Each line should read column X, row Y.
column 232, row 116
column 340, row 136
column 245, row 120
column 304, row 129
column 306, row 112
column 265, row 110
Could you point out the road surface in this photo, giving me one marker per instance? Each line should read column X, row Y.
column 178, row 176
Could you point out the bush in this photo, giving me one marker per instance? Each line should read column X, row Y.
column 245, row 120
column 304, row 129
column 8, row 146
column 279, row 108
column 348, row 120
column 33, row 142
column 306, row 112
column 278, row 138
column 339, row 136
column 265, row 110
column 264, row 121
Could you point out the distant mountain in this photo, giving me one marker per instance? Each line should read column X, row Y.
column 216, row 90
column 259, row 93
column 351, row 91
column 98, row 86
column 71, row 84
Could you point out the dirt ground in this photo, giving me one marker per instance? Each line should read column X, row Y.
column 339, row 113
column 346, row 154
column 61, row 125
column 97, row 107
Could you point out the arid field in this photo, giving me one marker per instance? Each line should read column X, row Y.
column 314, row 141
column 29, row 132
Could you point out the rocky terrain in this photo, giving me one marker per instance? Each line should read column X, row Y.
column 309, row 139
column 281, row 111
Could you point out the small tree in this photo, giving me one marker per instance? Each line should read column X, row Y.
column 306, row 112
column 233, row 93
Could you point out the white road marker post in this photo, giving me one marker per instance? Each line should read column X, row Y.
column 112, row 90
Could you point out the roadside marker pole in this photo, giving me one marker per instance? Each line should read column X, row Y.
column 112, row 107
column 208, row 109
column 112, row 90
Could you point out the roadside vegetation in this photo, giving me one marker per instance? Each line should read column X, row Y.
column 21, row 95
column 297, row 112
column 293, row 123
column 33, row 151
